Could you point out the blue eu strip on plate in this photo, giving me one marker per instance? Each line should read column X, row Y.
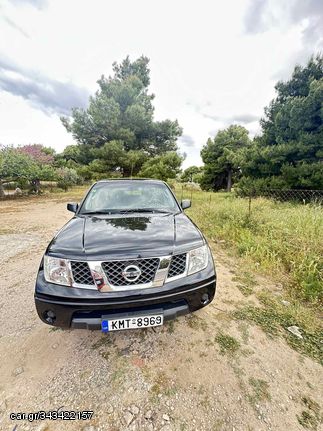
column 105, row 326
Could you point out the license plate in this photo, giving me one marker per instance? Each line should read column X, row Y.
column 134, row 322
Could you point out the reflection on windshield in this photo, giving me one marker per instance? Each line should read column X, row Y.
column 136, row 196
column 126, row 223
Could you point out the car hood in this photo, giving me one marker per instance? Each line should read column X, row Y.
column 130, row 236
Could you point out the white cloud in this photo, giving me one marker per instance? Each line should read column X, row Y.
column 200, row 53
column 23, row 124
column 39, row 4
column 48, row 95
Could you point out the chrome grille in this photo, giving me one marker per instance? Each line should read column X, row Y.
column 113, row 270
column 177, row 265
column 81, row 273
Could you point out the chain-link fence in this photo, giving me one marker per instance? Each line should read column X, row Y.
column 303, row 196
column 198, row 197
column 287, row 195
column 191, row 190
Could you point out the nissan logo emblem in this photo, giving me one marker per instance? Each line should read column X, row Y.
column 131, row 273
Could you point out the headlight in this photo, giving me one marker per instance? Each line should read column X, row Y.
column 197, row 259
column 57, row 270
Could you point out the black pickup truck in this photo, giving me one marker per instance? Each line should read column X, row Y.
column 129, row 258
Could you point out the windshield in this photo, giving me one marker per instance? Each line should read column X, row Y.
column 129, row 197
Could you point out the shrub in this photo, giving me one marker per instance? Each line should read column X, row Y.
column 67, row 177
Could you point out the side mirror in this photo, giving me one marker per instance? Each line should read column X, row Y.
column 186, row 203
column 72, row 207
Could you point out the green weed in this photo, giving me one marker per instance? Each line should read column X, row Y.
column 260, row 391
column 245, row 290
column 196, row 322
column 228, row 345
column 311, row 405
column 311, row 417
column 274, row 318
column 104, row 340
column 308, row 420
column 54, row 329
column 162, row 385
column 170, row 326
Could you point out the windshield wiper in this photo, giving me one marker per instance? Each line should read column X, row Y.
column 145, row 210
column 98, row 212
column 125, row 211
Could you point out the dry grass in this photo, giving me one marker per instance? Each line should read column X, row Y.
column 280, row 239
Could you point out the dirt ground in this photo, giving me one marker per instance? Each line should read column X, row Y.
column 176, row 377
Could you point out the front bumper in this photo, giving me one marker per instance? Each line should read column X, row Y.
column 82, row 308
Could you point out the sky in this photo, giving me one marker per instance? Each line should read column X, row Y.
column 213, row 63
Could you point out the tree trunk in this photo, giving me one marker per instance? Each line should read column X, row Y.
column 2, row 193
column 126, row 172
column 35, row 185
column 229, row 183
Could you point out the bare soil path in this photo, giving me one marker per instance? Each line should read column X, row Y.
column 206, row 371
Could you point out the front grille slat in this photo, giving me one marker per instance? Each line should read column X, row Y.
column 113, row 271
column 81, row 273
column 177, row 265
